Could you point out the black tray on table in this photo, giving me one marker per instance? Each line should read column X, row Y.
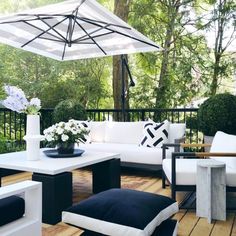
column 54, row 153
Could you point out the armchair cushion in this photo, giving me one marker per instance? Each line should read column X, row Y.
column 186, row 170
column 11, row 209
column 124, row 211
column 223, row 142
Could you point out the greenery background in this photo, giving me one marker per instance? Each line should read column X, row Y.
column 182, row 72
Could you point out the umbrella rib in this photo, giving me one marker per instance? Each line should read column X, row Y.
column 41, row 30
column 95, row 31
column 42, row 33
column 96, row 36
column 72, row 30
column 53, row 27
column 91, row 38
column 140, row 40
column 55, row 40
column 17, row 21
column 115, row 31
column 97, row 22
column 67, row 35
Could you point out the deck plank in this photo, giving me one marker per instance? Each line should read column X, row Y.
column 187, row 223
column 224, row 228
column 202, row 227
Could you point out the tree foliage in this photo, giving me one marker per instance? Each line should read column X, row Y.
column 187, row 68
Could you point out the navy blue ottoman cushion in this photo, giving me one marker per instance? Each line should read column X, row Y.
column 11, row 209
column 123, row 211
column 167, row 228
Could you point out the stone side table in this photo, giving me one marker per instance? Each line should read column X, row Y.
column 211, row 190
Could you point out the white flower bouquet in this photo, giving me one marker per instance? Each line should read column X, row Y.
column 17, row 101
column 65, row 133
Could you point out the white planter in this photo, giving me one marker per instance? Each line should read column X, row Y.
column 33, row 137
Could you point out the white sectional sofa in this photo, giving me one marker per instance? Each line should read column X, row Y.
column 125, row 137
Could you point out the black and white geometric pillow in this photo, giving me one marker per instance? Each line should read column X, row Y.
column 86, row 125
column 154, row 135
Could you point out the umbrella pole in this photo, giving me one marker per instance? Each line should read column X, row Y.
column 123, row 87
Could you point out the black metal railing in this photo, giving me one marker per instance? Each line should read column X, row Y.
column 13, row 125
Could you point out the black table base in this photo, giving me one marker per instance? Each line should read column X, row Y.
column 58, row 189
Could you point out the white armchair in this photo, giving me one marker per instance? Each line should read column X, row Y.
column 181, row 172
column 31, row 222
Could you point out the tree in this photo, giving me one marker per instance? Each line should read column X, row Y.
column 121, row 9
column 223, row 20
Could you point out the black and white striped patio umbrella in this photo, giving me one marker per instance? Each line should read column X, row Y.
column 72, row 30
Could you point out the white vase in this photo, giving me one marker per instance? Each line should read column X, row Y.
column 33, row 125
column 33, row 137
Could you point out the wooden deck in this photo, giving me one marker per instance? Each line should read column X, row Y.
column 189, row 224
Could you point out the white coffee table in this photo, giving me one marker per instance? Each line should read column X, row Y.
column 56, row 177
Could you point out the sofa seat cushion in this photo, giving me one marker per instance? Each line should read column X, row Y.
column 123, row 211
column 130, row 152
column 11, row 209
column 186, row 170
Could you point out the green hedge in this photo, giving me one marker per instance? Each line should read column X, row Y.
column 218, row 113
column 69, row 109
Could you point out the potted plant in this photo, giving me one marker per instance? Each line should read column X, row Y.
column 64, row 135
column 16, row 101
column 218, row 113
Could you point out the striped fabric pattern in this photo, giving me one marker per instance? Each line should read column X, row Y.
column 71, row 30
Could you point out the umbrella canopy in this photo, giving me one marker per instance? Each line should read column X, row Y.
column 72, row 30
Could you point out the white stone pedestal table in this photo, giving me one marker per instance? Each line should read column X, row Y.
column 211, row 190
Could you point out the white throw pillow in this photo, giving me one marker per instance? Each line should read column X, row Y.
column 223, row 142
column 154, row 135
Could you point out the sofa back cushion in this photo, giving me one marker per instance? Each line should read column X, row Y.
column 223, row 142
column 176, row 131
column 124, row 132
column 97, row 131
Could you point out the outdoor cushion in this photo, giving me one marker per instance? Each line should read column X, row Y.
column 97, row 131
column 167, row 228
column 223, row 142
column 86, row 125
column 176, row 131
column 11, row 209
column 154, row 135
column 130, row 152
column 123, row 211
column 124, row 132
column 186, row 170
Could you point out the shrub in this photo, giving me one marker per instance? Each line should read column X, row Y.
column 218, row 113
column 9, row 145
column 69, row 109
